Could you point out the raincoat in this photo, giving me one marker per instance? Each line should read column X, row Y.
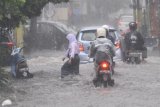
column 138, row 45
column 73, row 54
column 102, row 49
column 101, row 44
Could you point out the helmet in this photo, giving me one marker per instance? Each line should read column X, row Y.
column 105, row 26
column 101, row 32
column 107, row 29
column 132, row 25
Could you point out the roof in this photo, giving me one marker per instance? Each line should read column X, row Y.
column 95, row 27
column 89, row 28
column 61, row 26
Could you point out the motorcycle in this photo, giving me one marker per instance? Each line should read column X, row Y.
column 19, row 67
column 104, row 73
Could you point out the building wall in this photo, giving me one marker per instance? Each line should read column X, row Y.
column 19, row 34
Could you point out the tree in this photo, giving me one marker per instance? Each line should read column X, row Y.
column 32, row 8
column 10, row 14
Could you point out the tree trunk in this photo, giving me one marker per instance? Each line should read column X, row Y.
column 33, row 32
column 33, row 27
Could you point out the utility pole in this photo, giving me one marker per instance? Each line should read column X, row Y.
column 139, row 14
column 148, row 11
column 159, row 16
column 136, row 12
column 134, row 9
column 159, row 26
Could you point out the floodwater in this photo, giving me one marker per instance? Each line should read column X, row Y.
column 135, row 85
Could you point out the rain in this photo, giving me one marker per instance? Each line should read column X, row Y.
column 45, row 44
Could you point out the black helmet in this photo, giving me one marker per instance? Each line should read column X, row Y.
column 132, row 25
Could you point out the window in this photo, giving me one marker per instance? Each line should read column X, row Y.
column 89, row 35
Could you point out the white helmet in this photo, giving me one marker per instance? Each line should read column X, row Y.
column 105, row 26
column 101, row 32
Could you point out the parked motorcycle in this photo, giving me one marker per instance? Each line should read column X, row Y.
column 104, row 73
column 19, row 67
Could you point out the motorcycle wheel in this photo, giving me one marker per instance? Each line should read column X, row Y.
column 109, row 81
column 96, row 83
column 137, row 60
column 105, row 77
column 105, row 84
column 24, row 73
column 132, row 60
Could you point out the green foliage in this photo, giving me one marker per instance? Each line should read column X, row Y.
column 4, row 55
column 3, row 78
column 33, row 8
column 12, row 12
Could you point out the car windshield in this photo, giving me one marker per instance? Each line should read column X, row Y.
column 89, row 35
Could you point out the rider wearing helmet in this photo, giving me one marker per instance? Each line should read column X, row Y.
column 101, row 47
column 134, row 40
column 101, row 40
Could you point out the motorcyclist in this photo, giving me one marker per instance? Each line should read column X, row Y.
column 101, row 48
column 110, row 37
column 134, row 40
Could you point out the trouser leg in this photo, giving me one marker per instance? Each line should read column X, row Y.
column 75, row 64
column 66, row 69
column 144, row 52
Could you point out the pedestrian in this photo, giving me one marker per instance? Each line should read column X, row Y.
column 71, row 66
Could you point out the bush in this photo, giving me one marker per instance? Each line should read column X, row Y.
column 4, row 56
column 3, row 78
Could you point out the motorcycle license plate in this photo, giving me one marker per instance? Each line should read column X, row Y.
column 135, row 54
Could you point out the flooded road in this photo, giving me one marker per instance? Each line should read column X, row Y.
column 135, row 85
